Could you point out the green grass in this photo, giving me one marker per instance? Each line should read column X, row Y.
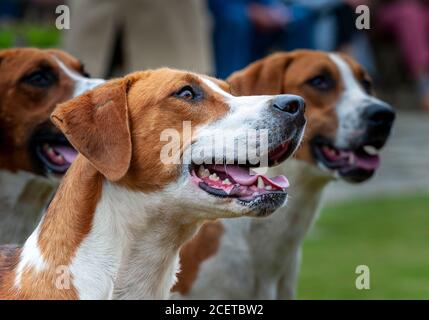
column 389, row 235
column 41, row 36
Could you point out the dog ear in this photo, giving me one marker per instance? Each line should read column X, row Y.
column 265, row 76
column 97, row 125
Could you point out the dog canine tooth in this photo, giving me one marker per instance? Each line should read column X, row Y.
column 203, row 172
column 372, row 151
column 214, row 177
column 226, row 182
column 268, row 188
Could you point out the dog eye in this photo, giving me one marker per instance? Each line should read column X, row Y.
column 42, row 78
column 322, row 83
column 186, row 93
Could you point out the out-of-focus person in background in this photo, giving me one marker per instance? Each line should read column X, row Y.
column 335, row 30
column 139, row 35
column 9, row 9
column 408, row 22
column 246, row 30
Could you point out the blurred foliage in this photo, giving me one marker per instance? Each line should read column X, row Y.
column 389, row 235
column 41, row 36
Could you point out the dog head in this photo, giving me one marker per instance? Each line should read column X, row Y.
column 347, row 125
column 32, row 82
column 134, row 130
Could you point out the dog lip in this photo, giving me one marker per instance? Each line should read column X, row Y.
column 48, row 164
column 219, row 181
column 352, row 164
column 55, row 155
column 265, row 204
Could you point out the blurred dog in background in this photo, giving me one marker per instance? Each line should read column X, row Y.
column 32, row 82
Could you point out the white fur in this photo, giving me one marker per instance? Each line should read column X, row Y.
column 81, row 84
column 125, row 254
column 31, row 257
column 351, row 105
column 246, row 113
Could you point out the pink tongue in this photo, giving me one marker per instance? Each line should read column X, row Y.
column 68, row 153
column 370, row 163
column 242, row 176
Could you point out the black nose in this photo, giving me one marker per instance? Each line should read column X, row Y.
column 379, row 115
column 291, row 104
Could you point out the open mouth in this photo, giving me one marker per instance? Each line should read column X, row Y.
column 251, row 189
column 56, row 157
column 357, row 165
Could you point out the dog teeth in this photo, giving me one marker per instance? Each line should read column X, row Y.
column 268, row 188
column 261, row 184
column 203, row 172
column 226, row 182
column 213, row 177
column 372, row 151
column 352, row 159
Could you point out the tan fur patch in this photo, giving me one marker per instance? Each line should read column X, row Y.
column 202, row 246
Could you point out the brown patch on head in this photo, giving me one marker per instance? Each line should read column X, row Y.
column 309, row 74
column 26, row 102
column 118, row 126
column 200, row 248
column 155, row 107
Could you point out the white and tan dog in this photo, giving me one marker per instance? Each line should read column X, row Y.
column 121, row 213
column 347, row 126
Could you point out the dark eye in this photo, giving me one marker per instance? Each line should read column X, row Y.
column 322, row 83
column 186, row 93
column 42, row 78
column 367, row 85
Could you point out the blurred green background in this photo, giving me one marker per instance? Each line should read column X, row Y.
column 388, row 234
column 32, row 35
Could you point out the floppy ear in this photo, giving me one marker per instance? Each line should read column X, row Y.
column 265, row 76
column 97, row 125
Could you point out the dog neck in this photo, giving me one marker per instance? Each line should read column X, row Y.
column 290, row 224
column 106, row 238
